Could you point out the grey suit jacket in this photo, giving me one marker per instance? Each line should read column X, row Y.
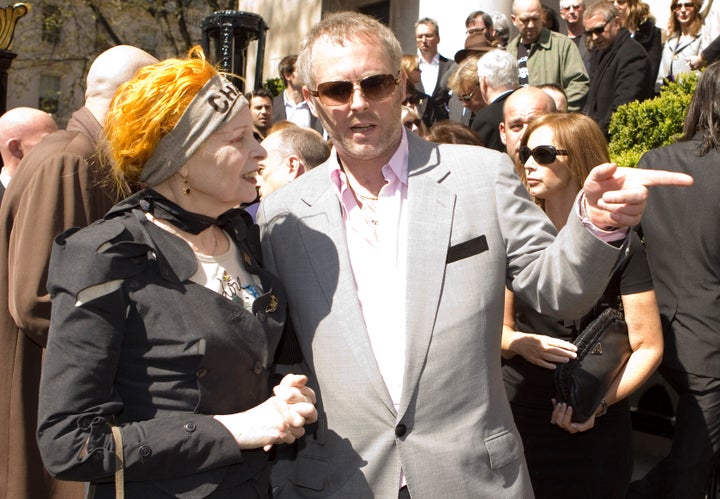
column 472, row 230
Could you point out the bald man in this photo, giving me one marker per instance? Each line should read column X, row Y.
column 521, row 108
column 58, row 185
column 21, row 129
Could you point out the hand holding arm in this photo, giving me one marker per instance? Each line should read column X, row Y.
column 616, row 197
column 538, row 349
column 280, row 419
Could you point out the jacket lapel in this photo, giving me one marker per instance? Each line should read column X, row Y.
column 430, row 218
column 324, row 217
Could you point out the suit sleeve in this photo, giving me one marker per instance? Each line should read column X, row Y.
column 575, row 78
column 560, row 276
column 78, row 402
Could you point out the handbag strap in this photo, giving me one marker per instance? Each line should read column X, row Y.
column 119, row 464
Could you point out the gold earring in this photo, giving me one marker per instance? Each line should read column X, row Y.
column 186, row 187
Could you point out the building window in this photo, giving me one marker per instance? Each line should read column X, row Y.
column 49, row 98
column 52, row 24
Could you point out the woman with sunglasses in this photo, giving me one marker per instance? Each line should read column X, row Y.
column 592, row 458
column 638, row 20
column 414, row 98
column 685, row 40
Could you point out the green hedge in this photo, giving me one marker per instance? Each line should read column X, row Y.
column 637, row 127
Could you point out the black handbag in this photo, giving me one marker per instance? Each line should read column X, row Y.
column 603, row 349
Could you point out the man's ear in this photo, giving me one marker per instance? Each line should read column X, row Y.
column 15, row 148
column 501, row 127
column 309, row 100
column 295, row 166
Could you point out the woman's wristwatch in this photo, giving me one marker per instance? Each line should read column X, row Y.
column 603, row 409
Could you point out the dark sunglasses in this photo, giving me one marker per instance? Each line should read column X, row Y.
column 338, row 93
column 543, row 155
column 687, row 5
column 467, row 97
column 599, row 30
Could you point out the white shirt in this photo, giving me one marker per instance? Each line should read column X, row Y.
column 429, row 73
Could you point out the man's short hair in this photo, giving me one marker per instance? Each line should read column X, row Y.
column 605, row 9
column 307, row 143
column 287, row 67
column 487, row 20
column 428, row 22
column 499, row 68
column 259, row 92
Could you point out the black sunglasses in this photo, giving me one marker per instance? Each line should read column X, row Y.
column 338, row 93
column 687, row 5
column 599, row 30
column 467, row 97
column 543, row 155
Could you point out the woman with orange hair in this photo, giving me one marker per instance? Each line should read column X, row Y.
column 591, row 457
column 164, row 324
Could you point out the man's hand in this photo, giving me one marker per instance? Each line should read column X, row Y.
column 615, row 197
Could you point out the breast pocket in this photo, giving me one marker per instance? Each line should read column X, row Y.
column 466, row 249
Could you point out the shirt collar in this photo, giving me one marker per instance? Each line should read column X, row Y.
column 435, row 60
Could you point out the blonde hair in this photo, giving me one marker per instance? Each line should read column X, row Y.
column 147, row 108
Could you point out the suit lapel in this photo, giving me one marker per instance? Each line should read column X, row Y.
column 325, row 216
column 430, row 218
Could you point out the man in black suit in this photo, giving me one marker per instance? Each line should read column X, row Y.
column 290, row 104
column 683, row 248
column 433, row 67
column 621, row 70
column 498, row 78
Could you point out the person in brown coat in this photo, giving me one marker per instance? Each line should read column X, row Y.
column 60, row 184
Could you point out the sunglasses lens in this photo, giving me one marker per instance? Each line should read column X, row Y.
column 378, row 87
column 544, row 155
column 524, row 154
column 335, row 93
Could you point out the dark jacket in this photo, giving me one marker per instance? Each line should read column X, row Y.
column 437, row 105
column 650, row 37
column 487, row 123
column 157, row 355
column 712, row 51
column 620, row 74
column 683, row 248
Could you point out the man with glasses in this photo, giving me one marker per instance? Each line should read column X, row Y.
column 545, row 56
column 480, row 22
column 572, row 12
column 621, row 70
column 395, row 254
column 433, row 68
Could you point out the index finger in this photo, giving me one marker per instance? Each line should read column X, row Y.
column 661, row 177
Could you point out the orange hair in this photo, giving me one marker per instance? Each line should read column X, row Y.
column 148, row 107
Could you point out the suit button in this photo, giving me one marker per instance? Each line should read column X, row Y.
column 145, row 451
column 400, row 430
column 258, row 368
column 190, row 427
column 201, row 373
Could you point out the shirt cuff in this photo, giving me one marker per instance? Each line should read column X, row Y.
column 607, row 236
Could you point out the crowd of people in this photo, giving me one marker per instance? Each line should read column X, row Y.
column 361, row 286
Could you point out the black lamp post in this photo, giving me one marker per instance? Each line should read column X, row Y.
column 8, row 17
column 226, row 35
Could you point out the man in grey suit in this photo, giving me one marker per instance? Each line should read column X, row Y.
column 394, row 254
